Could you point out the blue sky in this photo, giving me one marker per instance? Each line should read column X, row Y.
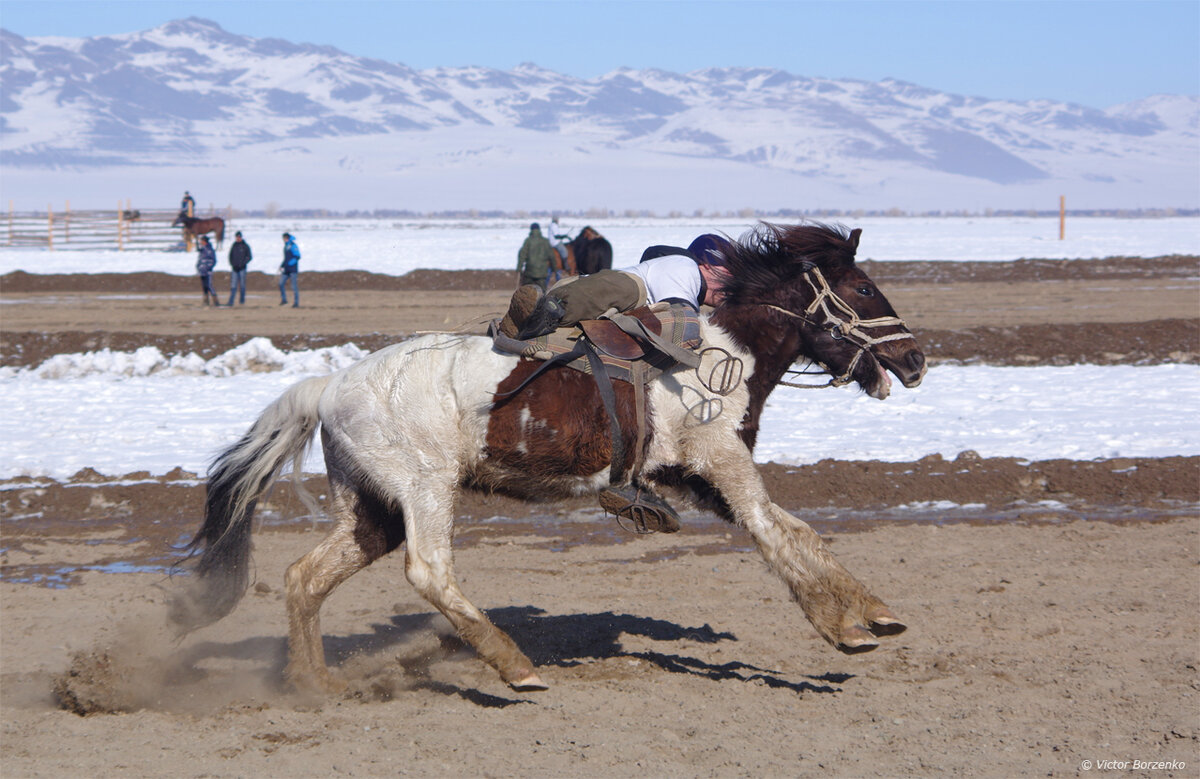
column 1097, row 53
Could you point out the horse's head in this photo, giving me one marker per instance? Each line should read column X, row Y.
column 799, row 288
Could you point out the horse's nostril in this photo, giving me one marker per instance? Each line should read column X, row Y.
column 915, row 360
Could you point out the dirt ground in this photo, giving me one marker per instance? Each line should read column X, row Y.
column 1054, row 607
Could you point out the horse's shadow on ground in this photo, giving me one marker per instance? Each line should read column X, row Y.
column 563, row 640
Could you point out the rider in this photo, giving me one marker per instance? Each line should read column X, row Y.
column 187, row 206
column 558, row 239
column 691, row 277
column 666, row 274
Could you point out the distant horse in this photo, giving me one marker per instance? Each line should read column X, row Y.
column 131, row 216
column 194, row 227
column 407, row 427
column 588, row 252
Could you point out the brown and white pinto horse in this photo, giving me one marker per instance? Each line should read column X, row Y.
column 196, row 227
column 408, row 426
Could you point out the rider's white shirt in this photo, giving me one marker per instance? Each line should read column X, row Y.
column 672, row 276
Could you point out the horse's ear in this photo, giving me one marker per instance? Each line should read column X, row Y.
column 854, row 236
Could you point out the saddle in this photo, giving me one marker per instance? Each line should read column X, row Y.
column 659, row 337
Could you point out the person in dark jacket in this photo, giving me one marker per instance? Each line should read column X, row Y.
column 204, row 267
column 535, row 258
column 290, row 271
column 239, row 258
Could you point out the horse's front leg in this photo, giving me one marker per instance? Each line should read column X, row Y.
column 837, row 604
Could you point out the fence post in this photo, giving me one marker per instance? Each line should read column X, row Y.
column 120, row 228
column 50, row 227
column 10, row 221
column 67, row 223
column 1062, row 216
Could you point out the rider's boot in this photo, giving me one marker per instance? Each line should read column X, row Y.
column 523, row 302
column 641, row 507
column 544, row 317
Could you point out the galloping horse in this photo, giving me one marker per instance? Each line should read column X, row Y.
column 589, row 252
column 196, row 227
column 408, row 426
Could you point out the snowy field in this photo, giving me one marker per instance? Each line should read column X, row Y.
column 398, row 246
column 120, row 413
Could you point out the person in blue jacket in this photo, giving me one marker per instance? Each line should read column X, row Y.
column 290, row 270
column 204, row 268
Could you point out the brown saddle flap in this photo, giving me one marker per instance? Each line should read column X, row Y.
column 615, row 342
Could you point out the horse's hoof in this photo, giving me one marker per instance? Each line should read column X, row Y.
column 326, row 683
column 530, row 683
column 884, row 623
column 856, row 639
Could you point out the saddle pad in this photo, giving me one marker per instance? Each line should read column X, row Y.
column 678, row 324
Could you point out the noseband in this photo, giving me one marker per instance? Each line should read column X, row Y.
column 842, row 322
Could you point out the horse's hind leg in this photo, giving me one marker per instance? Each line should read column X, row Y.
column 364, row 531
column 429, row 565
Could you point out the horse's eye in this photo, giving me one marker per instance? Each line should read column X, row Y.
column 865, row 291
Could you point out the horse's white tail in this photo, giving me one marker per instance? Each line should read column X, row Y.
column 236, row 480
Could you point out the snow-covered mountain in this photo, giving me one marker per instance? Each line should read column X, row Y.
column 250, row 120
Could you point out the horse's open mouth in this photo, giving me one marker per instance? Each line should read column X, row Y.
column 883, row 385
column 909, row 376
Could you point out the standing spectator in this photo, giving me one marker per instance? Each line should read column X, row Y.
column 239, row 258
column 290, row 269
column 204, row 266
column 534, row 258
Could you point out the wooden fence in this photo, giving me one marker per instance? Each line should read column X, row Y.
column 123, row 228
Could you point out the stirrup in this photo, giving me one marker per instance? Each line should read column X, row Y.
column 640, row 509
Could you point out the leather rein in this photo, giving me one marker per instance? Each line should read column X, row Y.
column 842, row 322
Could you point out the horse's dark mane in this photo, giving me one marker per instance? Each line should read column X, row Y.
column 772, row 257
column 578, row 240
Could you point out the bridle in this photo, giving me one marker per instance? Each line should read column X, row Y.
column 842, row 322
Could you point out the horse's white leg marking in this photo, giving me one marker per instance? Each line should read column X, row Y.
column 429, row 566
column 836, row 603
column 309, row 581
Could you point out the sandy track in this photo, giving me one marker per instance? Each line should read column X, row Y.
column 1058, row 623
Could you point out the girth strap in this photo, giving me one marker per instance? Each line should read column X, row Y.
column 604, row 383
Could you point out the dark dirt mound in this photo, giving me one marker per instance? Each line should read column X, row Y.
column 150, row 282
column 162, row 511
column 890, row 272
column 94, row 684
column 1101, row 343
